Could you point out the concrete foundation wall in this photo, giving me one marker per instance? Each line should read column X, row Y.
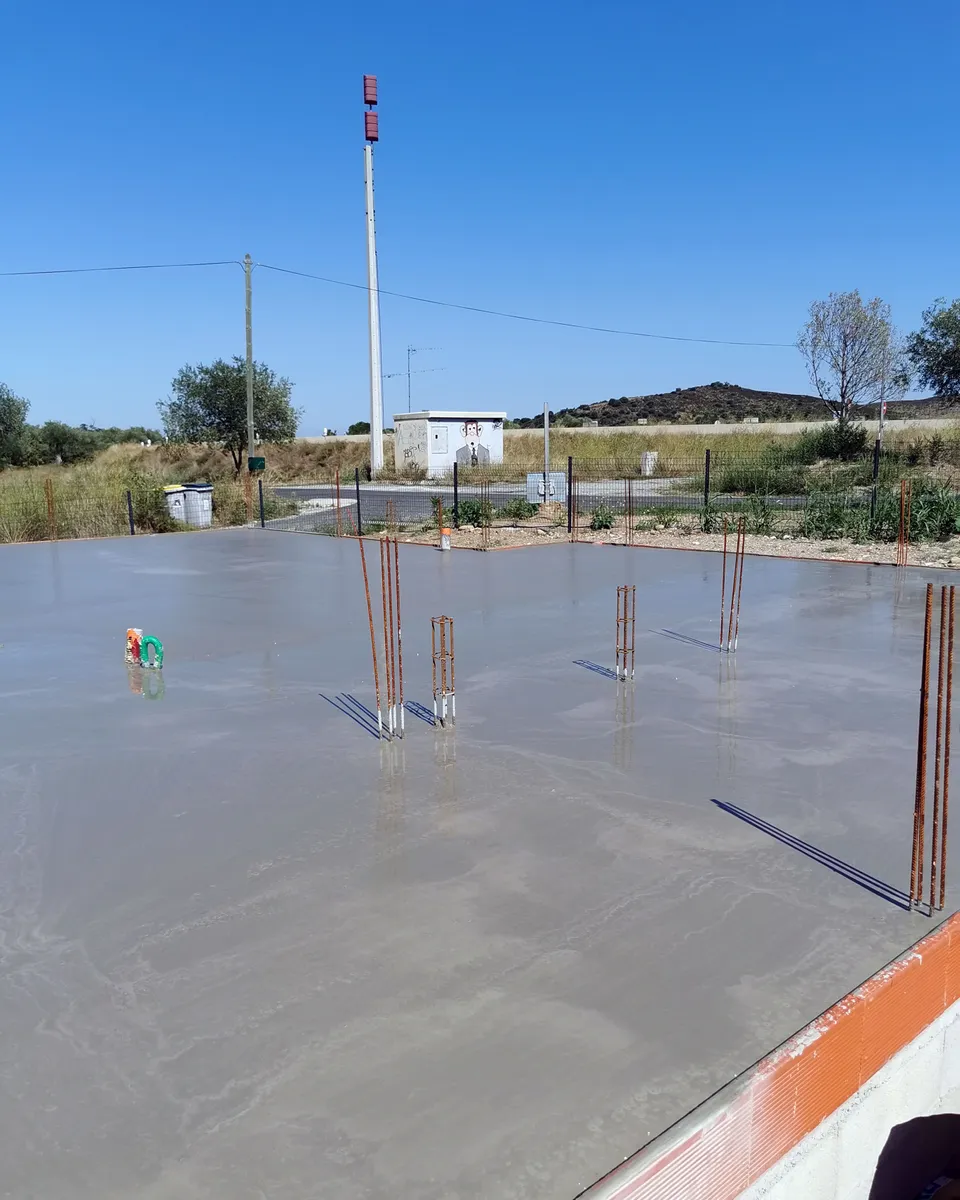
column 811, row 1119
column 838, row 1160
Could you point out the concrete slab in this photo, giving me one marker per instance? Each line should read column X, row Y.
column 245, row 952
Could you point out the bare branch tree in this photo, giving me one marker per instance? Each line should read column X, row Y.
column 853, row 352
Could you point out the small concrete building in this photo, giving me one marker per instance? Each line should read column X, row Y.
column 434, row 441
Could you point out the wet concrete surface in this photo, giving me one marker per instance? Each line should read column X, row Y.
column 246, row 952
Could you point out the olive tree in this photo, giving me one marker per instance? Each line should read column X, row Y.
column 935, row 349
column 853, row 352
column 209, row 404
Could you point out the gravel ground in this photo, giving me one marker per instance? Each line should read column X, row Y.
column 925, row 554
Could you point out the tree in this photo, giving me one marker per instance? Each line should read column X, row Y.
column 853, row 352
column 359, row 427
column 209, row 404
column 935, row 349
column 13, row 426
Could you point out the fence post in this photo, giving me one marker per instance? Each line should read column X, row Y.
column 706, row 480
column 51, row 512
column 876, row 476
column 130, row 512
column 356, row 477
column 569, row 493
column 456, row 497
column 263, row 523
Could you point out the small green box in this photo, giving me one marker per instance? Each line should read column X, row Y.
column 256, row 464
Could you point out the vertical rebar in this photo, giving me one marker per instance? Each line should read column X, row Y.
column 433, row 656
column 443, row 671
column 743, row 555
column 386, row 639
column 946, row 753
column 373, row 636
column 393, row 648
column 733, row 584
column 396, row 580
column 916, row 864
column 453, row 681
column 723, row 581
column 633, row 629
column 938, row 747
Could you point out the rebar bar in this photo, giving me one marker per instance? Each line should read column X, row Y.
column 393, row 648
column 396, row 582
column 946, row 753
column 373, row 637
column 386, row 639
column 626, row 630
column 919, row 801
column 733, row 582
column 743, row 555
column 444, row 683
column 723, row 582
column 938, row 748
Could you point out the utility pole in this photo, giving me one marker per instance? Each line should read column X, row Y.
column 372, row 134
column 248, row 288
column 546, row 454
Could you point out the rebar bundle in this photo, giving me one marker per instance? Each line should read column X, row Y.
column 444, row 683
column 941, row 760
column 626, row 630
column 730, row 628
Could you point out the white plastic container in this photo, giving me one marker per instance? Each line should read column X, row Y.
column 198, row 501
column 174, row 496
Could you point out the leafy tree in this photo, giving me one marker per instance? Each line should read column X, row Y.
column 13, row 426
column 359, row 427
column 935, row 349
column 209, row 404
column 853, row 352
column 61, row 443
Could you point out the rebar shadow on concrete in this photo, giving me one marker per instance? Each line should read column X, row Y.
column 691, row 641
column 352, row 708
column 869, row 882
column 592, row 666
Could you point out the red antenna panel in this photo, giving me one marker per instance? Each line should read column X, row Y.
column 369, row 89
column 371, row 127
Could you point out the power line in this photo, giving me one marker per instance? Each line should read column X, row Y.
column 492, row 312
column 223, row 262
column 361, row 287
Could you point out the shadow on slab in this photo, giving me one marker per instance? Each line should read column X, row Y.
column 356, row 711
column 869, row 882
column 416, row 709
column 691, row 641
column 592, row 666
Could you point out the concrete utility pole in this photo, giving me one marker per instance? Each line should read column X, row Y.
column 248, row 281
column 546, row 454
column 372, row 134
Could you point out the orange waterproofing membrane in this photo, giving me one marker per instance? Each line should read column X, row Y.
column 727, row 1143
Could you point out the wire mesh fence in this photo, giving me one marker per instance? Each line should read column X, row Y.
column 616, row 499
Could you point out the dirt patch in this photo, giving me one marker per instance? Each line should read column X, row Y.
column 925, row 554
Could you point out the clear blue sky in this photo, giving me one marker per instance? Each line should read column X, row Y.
column 700, row 169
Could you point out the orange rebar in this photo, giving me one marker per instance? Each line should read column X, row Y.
column 373, row 637
column 396, row 581
column 938, row 747
column 919, row 801
column 947, row 715
column 433, row 655
column 443, row 671
column 453, row 682
column 723, row 581
column 733, row 583
column 743, row 554
column 393, row 652
column 386, row 634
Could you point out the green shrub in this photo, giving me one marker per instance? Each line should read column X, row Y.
column 519, row 509
column 830, row 515
column 760, row 477
column 759, row 515
column 842, row 440
column 473, row 511
column 603, row 517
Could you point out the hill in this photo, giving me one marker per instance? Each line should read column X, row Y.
column 717, row 402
